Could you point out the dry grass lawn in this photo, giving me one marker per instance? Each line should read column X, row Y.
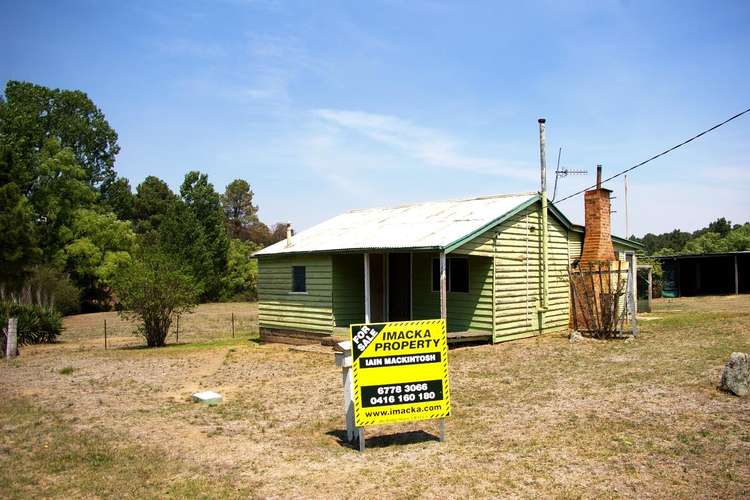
column 536, row 417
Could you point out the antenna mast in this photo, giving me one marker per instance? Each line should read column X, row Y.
column 563, row 173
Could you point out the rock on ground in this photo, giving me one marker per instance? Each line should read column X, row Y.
column 736, row 375
column 575, row 336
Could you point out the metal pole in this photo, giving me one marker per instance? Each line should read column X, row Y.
column 105, row 334
column 736, row 277
column 635, row 285
column 178, row 330
column 232, row 325
column 630, row 301
column 443, row 288
column 11, row 338
column 543, row 155
column 627, row 221
column 361, row 439
column 442, row 430
column 543, row 306
column 367, row 288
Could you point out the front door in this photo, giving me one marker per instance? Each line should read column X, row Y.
column 399, row 287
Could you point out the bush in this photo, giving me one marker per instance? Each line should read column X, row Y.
column 240, row 280
column 49, row 287
column 154, row 289
column 36, row 324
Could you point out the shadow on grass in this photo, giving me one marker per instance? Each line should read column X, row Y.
column 399, row 438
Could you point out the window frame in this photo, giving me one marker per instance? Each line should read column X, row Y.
column 304, row 281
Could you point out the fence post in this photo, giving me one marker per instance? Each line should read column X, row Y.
column 105, row 334
column 177, row 334
column 11, row 344
column 232, row 325
column 632, row 299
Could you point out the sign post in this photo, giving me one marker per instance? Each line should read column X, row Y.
column 400, row 373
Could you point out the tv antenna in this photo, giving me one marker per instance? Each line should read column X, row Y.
column 564, row 173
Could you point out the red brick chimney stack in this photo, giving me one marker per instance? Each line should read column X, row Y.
column 597, row 242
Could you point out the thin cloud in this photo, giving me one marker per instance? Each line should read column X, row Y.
column 189, row 48
column 430, row 146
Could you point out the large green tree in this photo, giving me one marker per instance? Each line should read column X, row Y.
column 117, row 197
column 99, row 245
column 738, row 239
column 719, row 236
column 31, row 115
column 152, row 201
column 60, row 188
column 18, row 244
column 239, row 210
column 240, row 280
column 203, row 200
column 182, row 235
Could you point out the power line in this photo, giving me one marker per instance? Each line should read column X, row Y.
column 660, row 154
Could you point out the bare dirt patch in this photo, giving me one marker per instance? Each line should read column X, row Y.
column 538, row 417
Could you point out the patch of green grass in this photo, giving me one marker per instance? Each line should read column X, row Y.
column 188, row 346
column 67, row 370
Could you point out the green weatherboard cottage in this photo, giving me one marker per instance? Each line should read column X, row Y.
column 385, row 264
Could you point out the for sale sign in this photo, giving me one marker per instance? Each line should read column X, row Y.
column 400, row 371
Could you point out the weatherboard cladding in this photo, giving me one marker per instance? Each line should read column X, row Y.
column 467, row 311
column 515, row 246
column 309, row 311
column 348, row 289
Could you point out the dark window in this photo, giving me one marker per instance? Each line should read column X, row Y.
column 458, row 273
column 299, row 279
column 435, row 275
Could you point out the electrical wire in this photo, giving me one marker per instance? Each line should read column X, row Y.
column 660, row 154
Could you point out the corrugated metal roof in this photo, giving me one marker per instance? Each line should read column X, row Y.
column 431, row 225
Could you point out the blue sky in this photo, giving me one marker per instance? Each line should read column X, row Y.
column 328, row 106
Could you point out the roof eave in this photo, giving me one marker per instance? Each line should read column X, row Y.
column 350, row 250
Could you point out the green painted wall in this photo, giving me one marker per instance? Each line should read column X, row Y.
column 515, row 246
column 470, row 311
column 348, row 289
column 279, row 308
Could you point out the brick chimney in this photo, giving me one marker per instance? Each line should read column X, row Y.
column 597, row 242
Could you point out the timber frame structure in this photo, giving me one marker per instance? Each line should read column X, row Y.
column 477, row 263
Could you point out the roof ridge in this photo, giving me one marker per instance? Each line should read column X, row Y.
column 450, row 200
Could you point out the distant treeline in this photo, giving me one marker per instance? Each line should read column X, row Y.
column 719, row 236
column 68, row 222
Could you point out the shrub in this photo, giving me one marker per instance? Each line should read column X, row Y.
column 154, row 289
column 49, row 287
column 240, row 279
column 36, row 324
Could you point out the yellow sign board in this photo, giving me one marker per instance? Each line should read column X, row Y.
column 400, row 371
